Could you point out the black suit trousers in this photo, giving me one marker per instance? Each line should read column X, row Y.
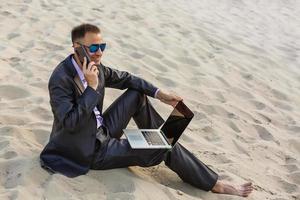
column 117, row 153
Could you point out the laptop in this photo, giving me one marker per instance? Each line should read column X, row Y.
column 166, row 136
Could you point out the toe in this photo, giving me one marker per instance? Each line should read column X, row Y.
column 247, row 184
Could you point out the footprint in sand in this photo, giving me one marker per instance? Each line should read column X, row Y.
column 221, row 158
column 12, row 36
column 98, row 10
column 264, row 133
column 295, row 177
column 137, row 55
column 12, row 92
column 12, row 171
column 295, row 129
column 290, row 160
column 13, row 195
column 279, row 95
column 295, row 145
column 76, row 13
column 2, row 47
column 7, row 14
column 166, row 81
column 154, row 65
column 3, row 144
column 14, row 59
column 287, row 186
column 208, row 109
column 187, row 138
column 233, row 126
column 199, row 115
column 219, row 96
column 224, row 82
column 265, row 118
column 232, row 116
column 28, row 46
column 127, row 46
column 10, row 155
column 188, row 61
column 282, row 105
column 10, row 119
column 240, row 148
column 225, row 177
column 247, row 76
column 291, row 167
column 52, row 46
column 42, row 113
column 210, row 134
column 152, row 53
column 134, row 17
column 242, row 93
column 6, row 131
column 41, row 135
column 258, row 105
column 169, row 63
column 46, row 5
column 118, row 183
column 40, row 84
column 215, row 110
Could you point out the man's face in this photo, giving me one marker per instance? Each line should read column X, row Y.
column 92, row 38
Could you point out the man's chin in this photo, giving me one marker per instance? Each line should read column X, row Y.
column 97, row 62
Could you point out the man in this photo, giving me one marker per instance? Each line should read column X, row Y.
column 83, row 137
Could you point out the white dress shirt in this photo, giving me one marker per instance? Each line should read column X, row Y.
column 84, row 83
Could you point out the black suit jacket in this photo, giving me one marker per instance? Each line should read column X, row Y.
column 71, row 145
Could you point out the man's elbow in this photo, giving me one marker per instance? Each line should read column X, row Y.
column 71, row 125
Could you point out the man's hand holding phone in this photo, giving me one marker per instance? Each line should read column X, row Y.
column 90, row 72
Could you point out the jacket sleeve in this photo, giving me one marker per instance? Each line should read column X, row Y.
column 69, row 111
column 122, row 80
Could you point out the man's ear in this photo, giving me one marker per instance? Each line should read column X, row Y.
column 75, row 45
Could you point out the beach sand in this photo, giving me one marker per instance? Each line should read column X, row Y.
column 235, row 63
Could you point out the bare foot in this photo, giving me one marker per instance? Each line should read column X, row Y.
column 242, row 190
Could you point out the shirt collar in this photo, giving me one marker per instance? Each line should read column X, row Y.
column 79, row 71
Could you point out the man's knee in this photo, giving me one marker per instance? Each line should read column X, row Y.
column 137, row 94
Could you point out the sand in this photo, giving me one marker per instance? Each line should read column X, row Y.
column 235, row 63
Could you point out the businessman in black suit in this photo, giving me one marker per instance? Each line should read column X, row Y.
column 83, row 137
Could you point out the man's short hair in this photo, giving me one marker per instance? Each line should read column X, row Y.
column 79, row 32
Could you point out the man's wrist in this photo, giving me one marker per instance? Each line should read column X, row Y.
column 94, row 87
column 156, row 93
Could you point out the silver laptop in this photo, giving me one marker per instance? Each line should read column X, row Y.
column 166, row 136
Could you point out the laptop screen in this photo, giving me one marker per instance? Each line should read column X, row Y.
column 177, row 122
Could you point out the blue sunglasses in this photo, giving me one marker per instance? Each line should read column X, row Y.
column 93, row 48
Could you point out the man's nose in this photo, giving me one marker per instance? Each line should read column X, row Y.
column 99, row 52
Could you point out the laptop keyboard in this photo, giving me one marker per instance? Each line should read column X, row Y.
column 153, row 138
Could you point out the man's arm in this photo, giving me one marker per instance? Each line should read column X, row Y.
column 122, row 80
column 69, row 113
column 170, row 99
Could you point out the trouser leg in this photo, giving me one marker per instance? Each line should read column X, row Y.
column 117, row 153
column 189, row 168
column 130, row 104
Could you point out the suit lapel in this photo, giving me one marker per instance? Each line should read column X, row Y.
column 79, row 84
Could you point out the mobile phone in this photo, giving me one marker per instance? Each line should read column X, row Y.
column 81, row 53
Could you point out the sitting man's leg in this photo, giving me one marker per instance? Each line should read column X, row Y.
column 116, row 153
column 190, row 169
column 131, row 104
